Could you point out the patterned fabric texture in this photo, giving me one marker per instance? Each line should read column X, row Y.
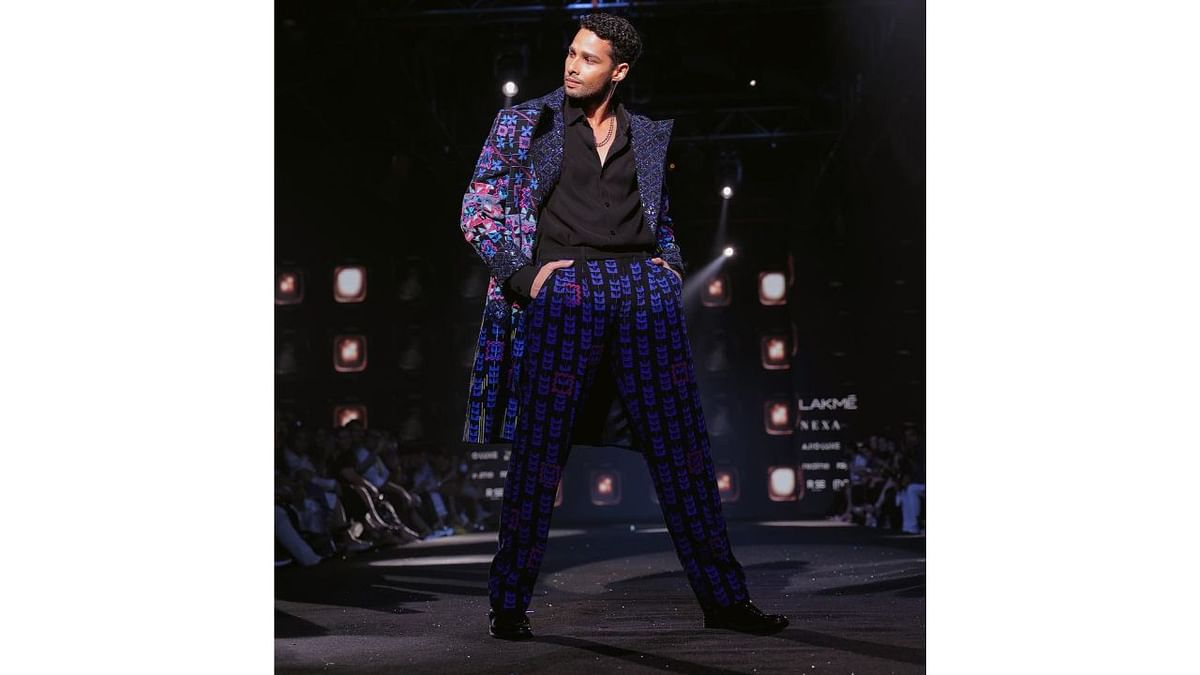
column 518, row 167
column 624, row 317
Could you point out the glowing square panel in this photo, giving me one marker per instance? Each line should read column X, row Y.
column 728, row 484
column 606, row 488
column 289, row 287
column 716, row 292
column 342, row 414
column 781, row 483
column 350, row 353
column 772, row 288
column 777, row 417
column 775, row 353
column 350, row 283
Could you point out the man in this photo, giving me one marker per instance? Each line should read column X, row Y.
column 596, row 317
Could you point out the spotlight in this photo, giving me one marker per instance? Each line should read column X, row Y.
column 343, row 414
column 777, row 417
column 350, row 353
column 289, row 287
column 716, row 291
column 728, row 252
column 727, row 483
column 509, row 89
column 753, row 83
column 781, row 483
column 606, row 488
column 350, row 283
column 772, row 288
column 775, row 353
column 727, row 192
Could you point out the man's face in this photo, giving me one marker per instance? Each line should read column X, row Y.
column 590, row 68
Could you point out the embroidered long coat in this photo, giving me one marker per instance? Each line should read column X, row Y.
column 517, row 169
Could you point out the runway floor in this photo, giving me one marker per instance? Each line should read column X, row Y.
column 612, row 598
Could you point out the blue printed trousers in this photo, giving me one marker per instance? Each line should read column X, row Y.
column 629, row 310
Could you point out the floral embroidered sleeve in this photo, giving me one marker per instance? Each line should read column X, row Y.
column 483, row 218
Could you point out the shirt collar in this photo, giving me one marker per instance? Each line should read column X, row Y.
column 573, row 113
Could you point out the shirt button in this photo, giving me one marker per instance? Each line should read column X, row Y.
column 606, row 203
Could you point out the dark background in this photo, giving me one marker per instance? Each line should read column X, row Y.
column 381, row 110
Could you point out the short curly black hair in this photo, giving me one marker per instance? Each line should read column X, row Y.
column 626, row 43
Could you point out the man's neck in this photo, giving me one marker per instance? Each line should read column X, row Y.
column 597, row 108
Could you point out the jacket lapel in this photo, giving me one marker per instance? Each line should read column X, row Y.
column 650, row 140
column 547, row 150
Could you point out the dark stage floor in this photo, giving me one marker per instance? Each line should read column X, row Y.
column 612, row 598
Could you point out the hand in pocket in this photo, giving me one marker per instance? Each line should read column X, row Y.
column 663, row 263
column 544, row 273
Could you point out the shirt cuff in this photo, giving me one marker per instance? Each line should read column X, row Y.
column 521, row 281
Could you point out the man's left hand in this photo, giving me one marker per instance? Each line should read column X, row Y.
column 660, row 261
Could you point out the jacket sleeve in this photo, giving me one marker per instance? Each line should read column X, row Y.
column 668, row 248
column 521, row 281
column 482, row 219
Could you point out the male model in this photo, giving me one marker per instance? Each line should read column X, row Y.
column 569, row 209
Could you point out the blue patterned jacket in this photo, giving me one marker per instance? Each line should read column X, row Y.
column 518, row 167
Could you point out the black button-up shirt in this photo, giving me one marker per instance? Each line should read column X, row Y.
column 593, row 204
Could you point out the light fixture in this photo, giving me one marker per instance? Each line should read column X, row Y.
column 777, row 417
column 509, row 89
column 606, row 488
column 350, row 353
column 350, row 283
column 727, row 192
column 781, row 483
column 344, row 414
column 289, row 287
column 775, row 352
column 716, row 292
column 772, row 288
column 728, row 484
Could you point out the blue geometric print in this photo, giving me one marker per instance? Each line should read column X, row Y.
column 631, row 311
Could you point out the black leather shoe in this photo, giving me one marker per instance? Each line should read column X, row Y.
column 509, row 625
column 746, row 618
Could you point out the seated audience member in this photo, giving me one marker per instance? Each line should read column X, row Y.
column 398, row 491
column 323, row 513
column 363, row 470
column 912, row 483
column 287, row 492
column 464, row 494
column 428, row 484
